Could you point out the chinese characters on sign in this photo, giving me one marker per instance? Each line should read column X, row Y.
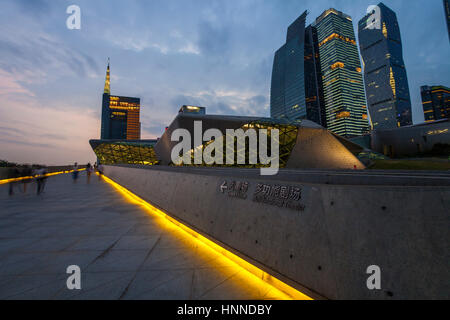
column 275, row 195
column 235, row 189
column 280, row 196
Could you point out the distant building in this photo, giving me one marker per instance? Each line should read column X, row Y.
column 431, row 138
column 447, row 15
column 287, row 93
column 435, row 102
column 120, row 115
column 343, row 89
column 192, row 109
column 385, row 75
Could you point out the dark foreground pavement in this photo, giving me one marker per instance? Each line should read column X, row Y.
column 122, row 251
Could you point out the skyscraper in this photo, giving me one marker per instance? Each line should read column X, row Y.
column 385, row 76
column 435, row 102
column 315, row 104
column 120, row 115
column 343, row 89
column 287, row 94
column 296, row 82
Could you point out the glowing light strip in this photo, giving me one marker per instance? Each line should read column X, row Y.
column 4, row 181
column 282, row 290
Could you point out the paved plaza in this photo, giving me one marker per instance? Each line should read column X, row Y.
column 123, row 251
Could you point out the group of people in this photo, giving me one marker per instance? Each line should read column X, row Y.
column 25, row 174
column 90, row 169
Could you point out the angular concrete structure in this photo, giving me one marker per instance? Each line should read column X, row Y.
column 303, row 144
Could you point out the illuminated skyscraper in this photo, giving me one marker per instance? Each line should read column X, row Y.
column 120, row 115
column 435, row 102
column 343, row 89
column 385, row 76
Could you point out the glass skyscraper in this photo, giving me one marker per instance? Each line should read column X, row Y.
column 296, row 91
column 287, row 93
column 385, row 76
column 343, row 89
column 314, row 99
column 120, row 115
column 435, row 102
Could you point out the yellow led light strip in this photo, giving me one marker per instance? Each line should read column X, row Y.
column 4, row 181
column 281, row 290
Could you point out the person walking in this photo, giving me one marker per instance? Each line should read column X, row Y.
column 100, row 171
column 27, row 172
column 13, row 173
column 41, row 179
column 89, row 170
column 75, row 172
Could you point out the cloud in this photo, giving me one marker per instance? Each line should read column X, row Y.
column 10, row 85
column 224, row 102
column 214, row 40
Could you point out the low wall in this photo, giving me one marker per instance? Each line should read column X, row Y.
column 4, row 171
column 325, row 242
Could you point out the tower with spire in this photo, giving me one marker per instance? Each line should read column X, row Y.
column 120, row 115
column 107, row 81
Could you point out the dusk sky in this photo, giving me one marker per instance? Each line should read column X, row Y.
column 217, row 54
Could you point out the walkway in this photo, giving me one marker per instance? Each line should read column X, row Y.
column 122, row 250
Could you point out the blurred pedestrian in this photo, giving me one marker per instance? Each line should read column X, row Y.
column 75, row 172
column 100, row 170
column 13, row 173
column 41, row 177
column 89, row 170
column 26, row 174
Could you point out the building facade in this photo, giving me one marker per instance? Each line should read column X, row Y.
column 385, row 77
column 287, row 94
column 425, row 139
column 120, row 115
column 314, row 99
column 296, row 90
column 343, row 89
column 435, row 102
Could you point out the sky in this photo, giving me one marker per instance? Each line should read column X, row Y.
column 213, row 53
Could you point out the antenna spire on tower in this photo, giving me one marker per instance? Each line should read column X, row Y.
column 107, row 80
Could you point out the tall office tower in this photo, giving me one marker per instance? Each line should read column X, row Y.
column 287, row 93
column 343, row 89
column 447, row 15
column 315, row 103
column 385, row 76
column 296, row 81
column 120, row 115
column 435, row 102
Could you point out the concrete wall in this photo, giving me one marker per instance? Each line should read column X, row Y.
column 324, row 250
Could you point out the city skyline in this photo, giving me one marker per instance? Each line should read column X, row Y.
column 50, row 77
